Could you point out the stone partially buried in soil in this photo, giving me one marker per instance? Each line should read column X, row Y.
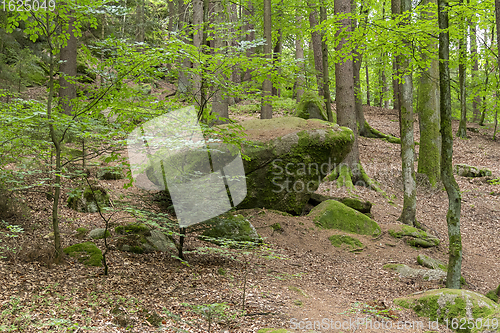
column 230, row 230
column 332, row 214
column 87, row 253
column 414, row 236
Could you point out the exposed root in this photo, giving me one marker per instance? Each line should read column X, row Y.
column 370, row 132
column 348, row 177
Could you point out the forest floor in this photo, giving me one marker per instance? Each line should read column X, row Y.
column 300, row 276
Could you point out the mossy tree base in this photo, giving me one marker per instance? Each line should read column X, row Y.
column 348, row 177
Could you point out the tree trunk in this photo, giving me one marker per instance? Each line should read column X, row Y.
column 249, row 37
column 316, row 45
column 326, row 68
column 197, row 42
column 276, row 60
column 358, row 99
column 220, row 106
column 367, row 85
column 267, row 86
column 429, row 156
column 299, row 57
column 396, row 10
column 68, row 55
column 139, row 37
column 454, row 198
column 344, row 87
column 497, row 18
column 184, row 78
column 462, row 68
column 406, row 131
column 476, row 102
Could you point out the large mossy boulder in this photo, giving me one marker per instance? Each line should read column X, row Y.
column 465, row 170
column 234, row 231
column 289, row 157
column 414, row 236
column 139, row 238
column 88, row 200
column 331, row 214
column 461, row 310
column 87, row 253
column 311, row 106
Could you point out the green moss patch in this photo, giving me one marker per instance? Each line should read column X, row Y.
column 414, row 236
column 454, row 305
column 87, row 253
column 339, row 240
column 331, row 214
column 311, row 107
column 134, row 228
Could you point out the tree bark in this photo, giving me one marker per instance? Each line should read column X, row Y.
column 299, row 57
column 326, row 68
column 367, row 85
column 276, row 60
column 429, row 156
column 358, row 99
column 454, row 197
column 220, row 106
column 344, row 87
column 406, row 130
column 476, row 102
column 68, row 55
column 249, row 37
column 197, row 42
column 184, row 78
column 316, row 45
column 396, row 10
column 140, row 22
column 267, row 86
column 462, row 68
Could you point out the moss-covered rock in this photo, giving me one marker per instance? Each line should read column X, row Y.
column 311, row 106
column 87, row 252
column 99, row 233
column 339, row 240
column 138, row 238
column 87, row 200
column 494, row 294
column 231, row 229
column 332, row 214
column 431, row 263
column 409, row 272
column 465, row 170
column 110, row 173
column 359, row 205
column 414, row 236
column 455, row 308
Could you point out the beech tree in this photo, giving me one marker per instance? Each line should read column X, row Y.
column 452, row 189
column 267, row 87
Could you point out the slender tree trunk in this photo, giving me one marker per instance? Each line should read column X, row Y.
column 462, row 72
column 276, row 60
column 367, row 85
column 476, row 102
column 326, row 68
column 249, row 37
column 316, row 44
column 406, row 130
column 487, row 74
column 220, row 106
column 396, row 10
column 267, row 86
column 184, row 78
column 497, row 19
column 139, row 37
column 454, row 198
column 429, row 156
column 197, row 42
column 299, row 57
column 57, row 147
column 344, row 87
column 68, row 55
column 358, row 99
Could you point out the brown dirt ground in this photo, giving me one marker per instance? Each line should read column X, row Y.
column 311, row 279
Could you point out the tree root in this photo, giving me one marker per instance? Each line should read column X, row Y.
column 348, row 177
column 371, row 132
